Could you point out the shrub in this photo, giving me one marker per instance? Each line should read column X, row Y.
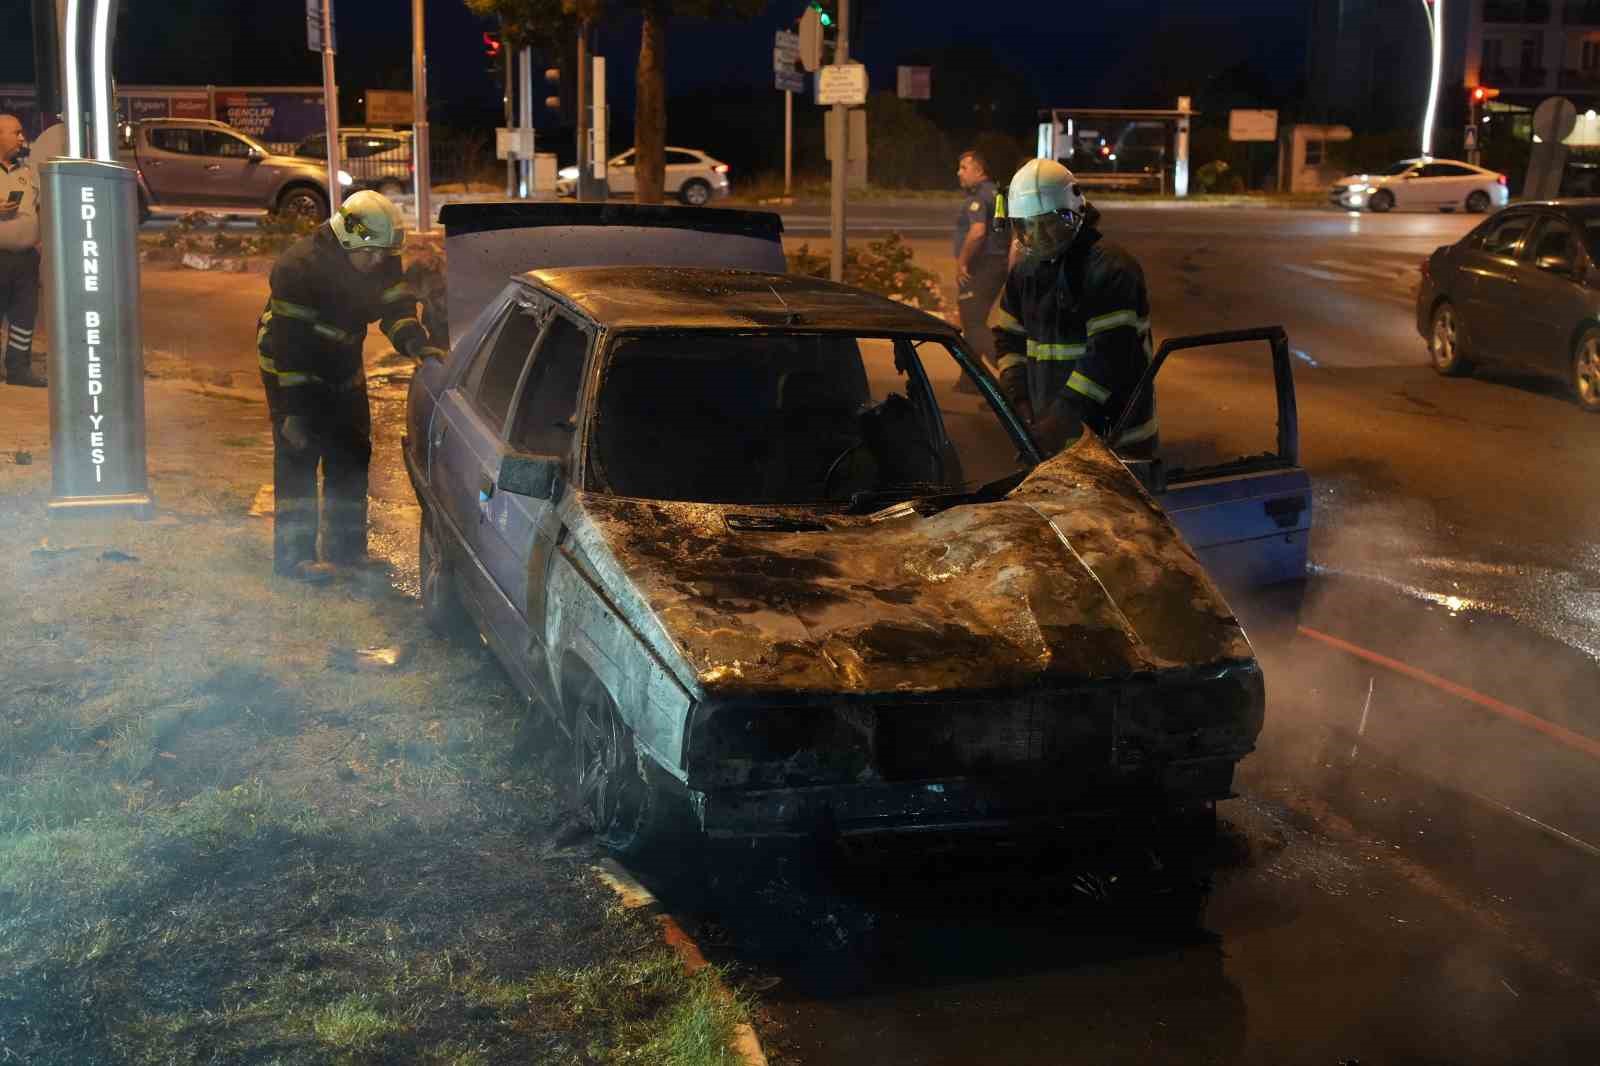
column 885, row 267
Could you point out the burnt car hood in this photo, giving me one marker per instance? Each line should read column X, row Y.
column 1076, row 575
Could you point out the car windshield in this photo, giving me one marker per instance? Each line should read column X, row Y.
column 1398, row 168
column 792, row 418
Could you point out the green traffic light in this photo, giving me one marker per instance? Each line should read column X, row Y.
column 822, row 14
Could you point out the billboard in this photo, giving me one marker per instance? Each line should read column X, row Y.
column 268, row 115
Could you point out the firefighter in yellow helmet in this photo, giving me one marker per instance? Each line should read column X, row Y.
column 326, row 289
column 1073, row 326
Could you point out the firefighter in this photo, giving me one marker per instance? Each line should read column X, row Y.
column 325, row 290
column 1073, row 325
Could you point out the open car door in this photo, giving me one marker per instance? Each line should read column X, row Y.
column 1248, row 518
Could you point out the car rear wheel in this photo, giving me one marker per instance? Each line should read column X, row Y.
column 1444, row 342
column 1586, row 371
column 627, row 800
column 441, row 598
column 695, row 193
column 1381, row 201
column 1478, row 202
column 304, row 201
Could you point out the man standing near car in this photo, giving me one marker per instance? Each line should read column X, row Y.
column 1073, row 326
column 326, row 289
column 980, row 254
column 19, row 254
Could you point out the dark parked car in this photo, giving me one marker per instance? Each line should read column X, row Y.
column 738, row 534
column 1522, row 290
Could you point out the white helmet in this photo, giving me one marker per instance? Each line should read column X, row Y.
column 1042, row 186
column 369, row 219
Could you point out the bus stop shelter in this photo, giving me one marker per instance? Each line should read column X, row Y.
column 1133, row 148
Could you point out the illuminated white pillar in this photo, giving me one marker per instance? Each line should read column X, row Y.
column 1434, row 10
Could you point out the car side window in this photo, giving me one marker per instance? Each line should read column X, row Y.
column 681, row 159
column 1447, row 170
column 181, row 141
column 361, row 147
column 223, row 144
column 1502, row 237
column 1432, row 170
column 1553, row 238
column 492, row 380
column 547, row 410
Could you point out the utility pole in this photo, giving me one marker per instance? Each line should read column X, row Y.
column 525, row 138
column 505, row 98
column 840, row 134
column 788, row 144
column 330, row 102
column 420, row 157
column 583, row 110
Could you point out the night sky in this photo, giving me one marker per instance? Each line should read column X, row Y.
column 1075, row 53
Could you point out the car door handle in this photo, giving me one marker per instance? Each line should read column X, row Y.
column 1286, row 510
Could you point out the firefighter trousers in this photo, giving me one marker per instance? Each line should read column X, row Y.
column 19, row 306
column 340, row 430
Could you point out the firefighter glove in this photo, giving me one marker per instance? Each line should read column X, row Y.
column 297, row 432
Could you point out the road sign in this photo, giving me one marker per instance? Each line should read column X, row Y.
column 314, row 26
column 914, row 83
column 390, row 108
column 842, row 83
column 789, row 81
column 785, row 50
column 1470, row 139
column 1554, row 119
column 810, row 39
column 1245, row 125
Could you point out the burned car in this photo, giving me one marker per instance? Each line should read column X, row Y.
column 743, row 540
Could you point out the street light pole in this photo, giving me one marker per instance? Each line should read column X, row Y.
column 420, row 156
column 330, row 98
column 841, row 148
column 1434, row 12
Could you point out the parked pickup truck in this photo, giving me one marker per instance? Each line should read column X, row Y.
column 202, row 165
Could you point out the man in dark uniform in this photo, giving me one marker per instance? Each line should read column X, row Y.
column 1073, row 325
column 325, row 290
column 980, row 253
column 19, row 254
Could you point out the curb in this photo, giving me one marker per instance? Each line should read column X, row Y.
column 635, row 896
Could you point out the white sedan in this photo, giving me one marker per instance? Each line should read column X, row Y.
column 1426, row 184
column 692, row 176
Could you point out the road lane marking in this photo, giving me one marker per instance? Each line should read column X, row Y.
column 1361, row 730
column 1383, row 273
column 1560, row 734
column 1320, row 275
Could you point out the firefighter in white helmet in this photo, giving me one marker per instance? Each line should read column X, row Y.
column 1073, row 326
column 326, row 289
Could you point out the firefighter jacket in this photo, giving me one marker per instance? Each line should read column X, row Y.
column 1076, row 329
column 311, row 331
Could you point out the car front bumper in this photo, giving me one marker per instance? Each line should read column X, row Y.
column 1348, row 198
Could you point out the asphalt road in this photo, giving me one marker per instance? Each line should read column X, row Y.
column 1410, row 872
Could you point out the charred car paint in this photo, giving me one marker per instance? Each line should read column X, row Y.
column 777, row 575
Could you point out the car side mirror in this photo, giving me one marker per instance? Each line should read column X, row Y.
column 535, row 476
column 255, row 155
column 1556, row 264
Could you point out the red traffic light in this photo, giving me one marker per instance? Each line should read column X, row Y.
column 1483, row 92
column 491, row 44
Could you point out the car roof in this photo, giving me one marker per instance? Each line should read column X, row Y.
column 655, row 297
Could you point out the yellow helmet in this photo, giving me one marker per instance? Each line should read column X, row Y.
column 369, row 219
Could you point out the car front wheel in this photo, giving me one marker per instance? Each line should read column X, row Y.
column 304, row 201
column 627, row 800
column 1444, row 342
column 1382, row 200
column 695, row 193
column 1586, row 371
column 1478, row 202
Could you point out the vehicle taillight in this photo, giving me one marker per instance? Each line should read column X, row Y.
column 1502, row 178
column 721, row 168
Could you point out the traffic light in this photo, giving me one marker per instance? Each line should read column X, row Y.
column 493, row 52
column 552, row 75
column 824, row 12
column 1480, row 93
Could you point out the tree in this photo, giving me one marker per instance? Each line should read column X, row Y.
column 650, row 103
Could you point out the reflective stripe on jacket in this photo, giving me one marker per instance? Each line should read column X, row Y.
column 1076, row 329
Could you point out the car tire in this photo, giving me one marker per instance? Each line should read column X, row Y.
column 1477, row 202
column 442, row 609
column 305, row 201
column 1586, row 370
column 1381, row 201
column 1445, row 349
column 630, row 803
column 695, row 193
column 392, row 188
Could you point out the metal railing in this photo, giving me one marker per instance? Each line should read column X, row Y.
column 1515, row 77
column 1528, row 12
column 1580, row 79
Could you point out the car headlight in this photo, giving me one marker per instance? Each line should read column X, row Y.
column 345, row 178
column 568, row 173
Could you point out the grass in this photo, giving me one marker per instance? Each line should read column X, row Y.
column 220, row 843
